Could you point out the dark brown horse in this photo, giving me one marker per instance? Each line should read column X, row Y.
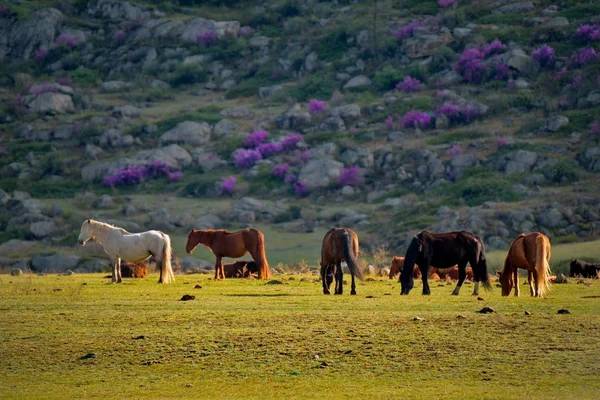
column 240, row 269
column 233, row 245
column 585, row 269
column 339, row 244
column 133, row 270
column 444, row 250
column 530, row 252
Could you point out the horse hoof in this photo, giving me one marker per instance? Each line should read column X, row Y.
column 353, row 292
column 326, row 292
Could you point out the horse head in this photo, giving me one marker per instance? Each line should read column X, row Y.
column 86, row 233
column 407, row 282
column 192, row 241
column 506, row 281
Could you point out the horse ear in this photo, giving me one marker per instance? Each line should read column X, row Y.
column 89, row 221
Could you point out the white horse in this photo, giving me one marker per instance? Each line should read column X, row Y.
column 133, row 247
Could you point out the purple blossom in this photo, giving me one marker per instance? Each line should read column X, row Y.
column 317, row 106
column 584, row 56
column 207, row 37
column 174, row 176
column 494, row 47
column 458, row 114
column 119, row 36
column 130, row 175
column 587, row 32
column 389, row 123
column 415, row 119
column 447, row 3
column 302, row 157
column 290, row 179
column 246, row 158
column 470, row 113
column 454, row 151
column 349, row 176
column 44, row 87
column 300, row 188
column 405, row 32
column 559, row 75
column 595, row 128
column 67, row 40
column 470, row 65
column 291, row 140
column 246, row 31
column 269, row 149
column 4, row 12
column 449, row 110
column 280, row 171
column 228, row 185
column 41, row 54
column 409, row 84
column 255, row 138
column 500, row 142
column 501, row 72
column 157, row 169
column 18, row 100
column 544, row 55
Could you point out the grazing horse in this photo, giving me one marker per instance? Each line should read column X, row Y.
column 133, row 270
column 444, row 250
column 339, row 244
column 530, row 252
column 240, row 269
column 134, row 247
column 585, row 269
column 233, row 245
column 397, row 264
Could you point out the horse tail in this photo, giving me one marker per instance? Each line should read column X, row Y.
column 350, row 257
column 542, row 267
column 166, row 271
column 410, row 258
column 480, row 274
column 261, row 256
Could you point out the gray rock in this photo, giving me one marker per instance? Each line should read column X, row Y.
column 92, row 152
column 590, row 160
column 237, row 113
column 16, row 247
column 225, row 128
column 521, row 161
column 268, row 91
column 293, row 118
column 522, row 62
column 555, row 122
column 310, row 63
column 226, row 29
column 349, row 113
column 425, row 45
column 53, row 262
column 128, row 111
column 115, row 10
column 552, row 219
column 259, row 41
column 188, row 132
column 52, row 103
column 320, row 173
column 189, row 263
column 158, row 84
column 359, row 82
column 514, row 8
column 196, row 59
column 104, row 202
column 42, row 229
column 208, row 221
column 557, row 22
column 115, row 139
column 4, row 197
column 243, row 216
column 115, row 86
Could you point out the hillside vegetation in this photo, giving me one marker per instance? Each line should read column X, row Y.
column 388, row 117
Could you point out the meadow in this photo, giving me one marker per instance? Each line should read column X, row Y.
column 80, row 337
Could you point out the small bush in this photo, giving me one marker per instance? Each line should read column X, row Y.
column 561, row 173
column 188, row 75
column 320, row 85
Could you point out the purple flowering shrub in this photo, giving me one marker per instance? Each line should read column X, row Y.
column 595, row 128
column 66, row 40
column 301, row 157
column 447, row 3
column 65, row 81
column 269, row 149
column 300, row 188
column 41, row 54
column 246, row 158
column 119, row 36
column 500, row 142
column 457, row 114
column 44, row 87
column 280, row 171
column 409, row 84
column 406, row 31
column 228, row 185
column 389, row 123
column 584, row 56
column 455, row 150
column 494, row 47
column 587, row 33
column 501, row 72
column 317, row 106
column 470, row 65
column 544, row 55
column 291, row 141
column 349, row 176
column 207, row 38
column 290, row 179
column 575, row 83
column 415, row 119
column 134, row 174
column 256, row 138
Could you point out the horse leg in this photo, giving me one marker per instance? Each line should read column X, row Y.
column 114, row 261
column 516, row 281
column 218, row 264
column 326, row 277
column 462, row 274
column 119, row 278
column 424, row 272
column 339, row 278
column 353, row 287
column 533, row 283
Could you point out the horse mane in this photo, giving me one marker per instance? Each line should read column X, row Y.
column 105, row 225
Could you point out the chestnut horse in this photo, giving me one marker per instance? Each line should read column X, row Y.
column 530, row 252
column 444, row 250
column 233, row 245
column 339, row 244
column 397, row 264
column 240, row 269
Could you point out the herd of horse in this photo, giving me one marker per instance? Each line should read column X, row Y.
column 428, row 254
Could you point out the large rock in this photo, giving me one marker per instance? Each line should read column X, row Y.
column 20, row 39
column 552, row 218
column 522, row 62
column 515, row 8
column 293, row 118
column 225, row 128
column 115, row 139
column 42, row 229
column 360, row 82
column 115, row 10
column 590, row 160
column 16, row 247
column 237, row 113
column 208, row 221
column 520, row 161
column 94, row 265
column 349, row 113
column 53, row 262
column 555, row 122
column 52, row 103
column 188, row 132
column 320, row 173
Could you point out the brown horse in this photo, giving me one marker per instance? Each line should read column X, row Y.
column 339, row 244
column 530, row 252
column 233, row 245
column 240, row 269
column 133, row 270
column 398, row 264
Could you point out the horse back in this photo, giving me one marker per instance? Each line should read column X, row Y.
column 444, row 250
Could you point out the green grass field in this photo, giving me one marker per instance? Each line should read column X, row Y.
column 253, row 340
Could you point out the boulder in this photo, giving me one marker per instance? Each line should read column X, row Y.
column 268, row 91
column 515, row 8
column 128, row 111
column 590, row 159
column 208, row 221
column 293, row 118
column 115, row 139
column 16, row 272
column 55, row 262
column 225, row 128
column 360, row 82
column 522, row 62
column 42, row 229
column 188, row 132
column 320, row 173
column 16, row 247
column 349, row 113
column 521, row 161
column 552, row 218
column 555, row 122
column 259, row 41
column 51, row 103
